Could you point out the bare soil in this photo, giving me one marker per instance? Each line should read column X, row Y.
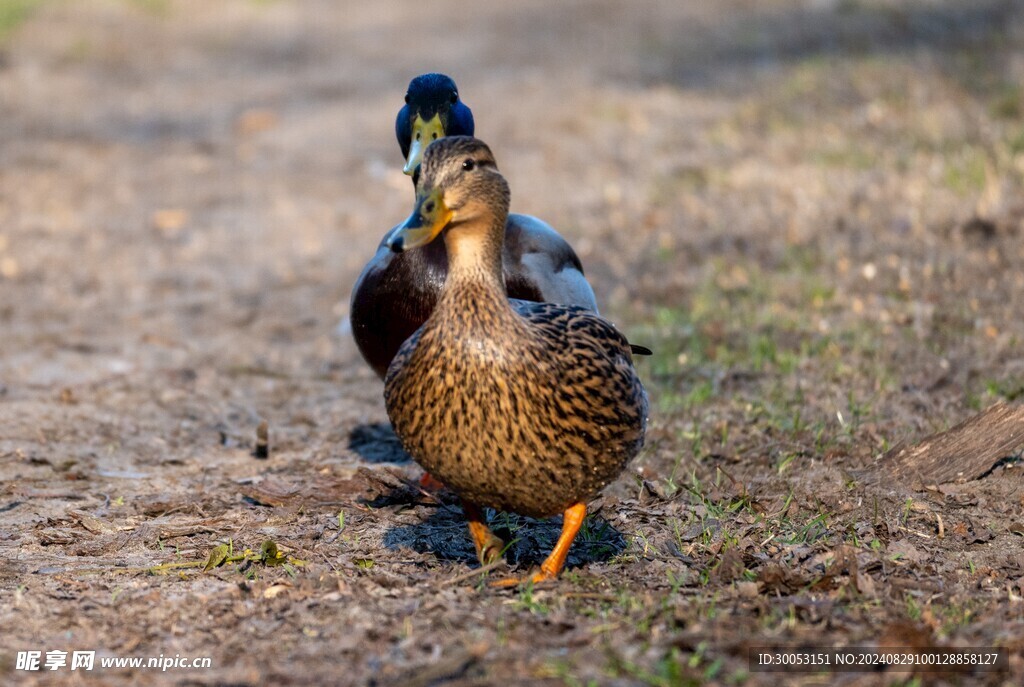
column 811, row 211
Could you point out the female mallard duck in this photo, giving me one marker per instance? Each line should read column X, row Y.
column 396, row 293
column 519, row 406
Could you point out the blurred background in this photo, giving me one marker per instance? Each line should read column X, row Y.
column 810, row 209
column 173, row 167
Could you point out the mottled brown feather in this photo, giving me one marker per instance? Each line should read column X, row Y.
column 526, row 407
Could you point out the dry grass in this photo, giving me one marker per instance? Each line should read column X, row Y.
column 812, row 212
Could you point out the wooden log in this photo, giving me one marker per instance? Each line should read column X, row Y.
column 968, row 451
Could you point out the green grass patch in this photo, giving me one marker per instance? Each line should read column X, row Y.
column 966, row 173
column 1008, row 103
column 1016, row 143
column 13, row 13
column 160, row 8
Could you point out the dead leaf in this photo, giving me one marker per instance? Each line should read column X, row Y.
column 269, row 555
column 777, row 578
column 747, row 589
column 275, row 589
column 865, row 585
column 905, row 551
column 91, row 523
column 730, row 567
column 271, row 492
column 55, row 536
column 218, row 555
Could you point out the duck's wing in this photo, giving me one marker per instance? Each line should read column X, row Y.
column 561, row 325
column 594, row 365
column 540, row 265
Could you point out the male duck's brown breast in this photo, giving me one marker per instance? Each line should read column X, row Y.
column 397, row 292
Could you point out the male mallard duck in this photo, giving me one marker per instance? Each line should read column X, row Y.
column 525, row 407
column 396, row 293
column 432, row 110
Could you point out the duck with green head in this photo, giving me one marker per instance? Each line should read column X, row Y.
column 515, row 405
column 396, row 292
column 432, row 110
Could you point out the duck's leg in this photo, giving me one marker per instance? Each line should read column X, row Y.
column 488, row 545
column 572, row 520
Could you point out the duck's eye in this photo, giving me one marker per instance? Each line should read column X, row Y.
column 406, row 98
column 469, row 165
column 454, row 97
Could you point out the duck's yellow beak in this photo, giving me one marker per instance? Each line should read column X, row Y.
column 423, row 134
column 424, row 224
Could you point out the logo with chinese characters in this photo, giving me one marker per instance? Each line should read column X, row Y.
column 55, row 660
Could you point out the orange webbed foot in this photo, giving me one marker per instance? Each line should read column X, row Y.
column 572, row 520
column 507, row 582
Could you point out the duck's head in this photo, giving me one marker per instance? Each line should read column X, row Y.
column 432, row 110
column 459, row 186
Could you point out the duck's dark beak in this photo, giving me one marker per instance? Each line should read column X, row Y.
column 424, row 132
column 424, row 224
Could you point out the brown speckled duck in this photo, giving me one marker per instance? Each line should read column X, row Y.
column 520, row 406
column 396, row 292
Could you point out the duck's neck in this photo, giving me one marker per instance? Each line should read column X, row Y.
column 475, row 257
column 475, row 276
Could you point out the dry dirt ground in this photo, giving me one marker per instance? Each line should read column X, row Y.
column 812, row 211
